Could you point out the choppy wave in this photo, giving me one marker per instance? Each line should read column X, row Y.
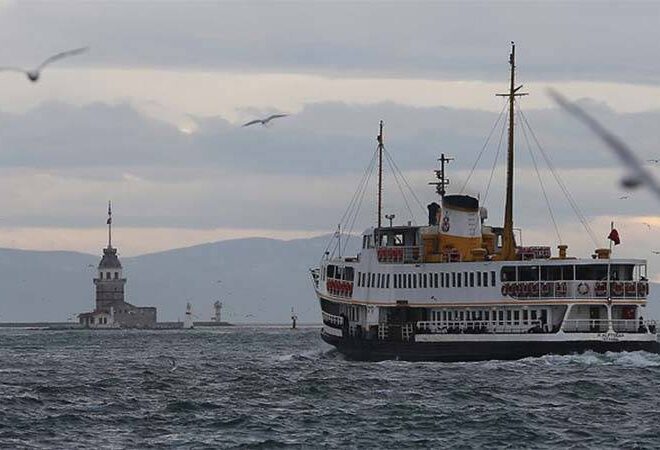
column 270, row 387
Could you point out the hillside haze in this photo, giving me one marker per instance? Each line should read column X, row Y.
column 257, row 279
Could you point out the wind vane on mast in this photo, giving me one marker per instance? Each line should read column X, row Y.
column 109, row 223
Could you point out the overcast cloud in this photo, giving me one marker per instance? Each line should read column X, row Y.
column 150, row 116
column 613, row 41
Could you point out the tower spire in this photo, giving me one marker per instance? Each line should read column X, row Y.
column 508, row 247
column 109, row 223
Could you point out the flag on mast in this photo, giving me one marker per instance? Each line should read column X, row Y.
column 109, row 221
column 614, row 236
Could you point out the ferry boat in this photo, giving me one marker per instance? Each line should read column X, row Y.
column 459, row 289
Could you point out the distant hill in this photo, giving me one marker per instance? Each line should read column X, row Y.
column 257, row 279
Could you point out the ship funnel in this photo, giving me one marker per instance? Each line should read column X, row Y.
column 460, row 226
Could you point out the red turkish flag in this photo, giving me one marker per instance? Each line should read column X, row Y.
column 614, row 236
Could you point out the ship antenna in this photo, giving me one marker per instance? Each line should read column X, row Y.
column 508, row 248
column 380, row 174
column 440, row 186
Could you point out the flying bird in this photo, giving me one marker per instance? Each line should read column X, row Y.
column 33, row 74
column 624, row 197
column 638, row 175
column 654, row 161
column 655, row 252
column 265, row 121
column 647, row 224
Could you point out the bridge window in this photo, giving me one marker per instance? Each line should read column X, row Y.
column 528, row 273
column 424, row 279
column 471, row 279
column 509, row 273
column 621, row 272
column 591, row 272
column 459, row 279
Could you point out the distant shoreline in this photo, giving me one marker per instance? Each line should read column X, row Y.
column 160, row 325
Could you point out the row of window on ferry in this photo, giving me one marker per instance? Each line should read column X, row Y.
column 598, row 272
column 508, row 317
column 427, row 280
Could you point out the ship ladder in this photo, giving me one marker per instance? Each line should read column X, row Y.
column 382, row 331
column 407, row 331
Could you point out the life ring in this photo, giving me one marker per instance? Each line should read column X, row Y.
column 561, row 289
column 533, row 289
column 523, row 289
column 545, row 289
column 600, row 289
column 583, row 289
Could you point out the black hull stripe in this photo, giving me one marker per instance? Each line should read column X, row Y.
column 368, row 350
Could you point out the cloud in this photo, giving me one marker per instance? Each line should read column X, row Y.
column 456, row 40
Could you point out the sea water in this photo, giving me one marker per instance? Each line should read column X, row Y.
column 269, row 387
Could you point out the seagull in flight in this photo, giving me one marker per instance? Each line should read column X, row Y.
column 638, row 176
column 655, row 252
column 647, row 224
column 624, row 197
column 265, row 121
column 33, row 74
column 654, row 161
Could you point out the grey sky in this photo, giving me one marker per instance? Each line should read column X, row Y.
column 149, row 116
column 461, row 40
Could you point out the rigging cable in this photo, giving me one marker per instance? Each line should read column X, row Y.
column 499, row 117
column 561, row 183
column 349, row 209
column 412, row 192
column 538, row 175
column 388, row 158
column 356, row 210
column 497, row 155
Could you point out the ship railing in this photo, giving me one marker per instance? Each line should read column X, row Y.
column 330, row 319
column 603, row 325
column 339, row 288
column 576, row 289
column 480, row 327
column 400, row 254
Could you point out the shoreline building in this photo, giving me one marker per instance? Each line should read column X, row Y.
column 112, row 311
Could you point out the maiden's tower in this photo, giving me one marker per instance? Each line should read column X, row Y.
column 112, row 311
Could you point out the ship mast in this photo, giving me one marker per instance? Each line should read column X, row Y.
column 380, row 174
column 508, row 252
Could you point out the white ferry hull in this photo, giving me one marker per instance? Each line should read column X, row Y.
column 468, row 348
